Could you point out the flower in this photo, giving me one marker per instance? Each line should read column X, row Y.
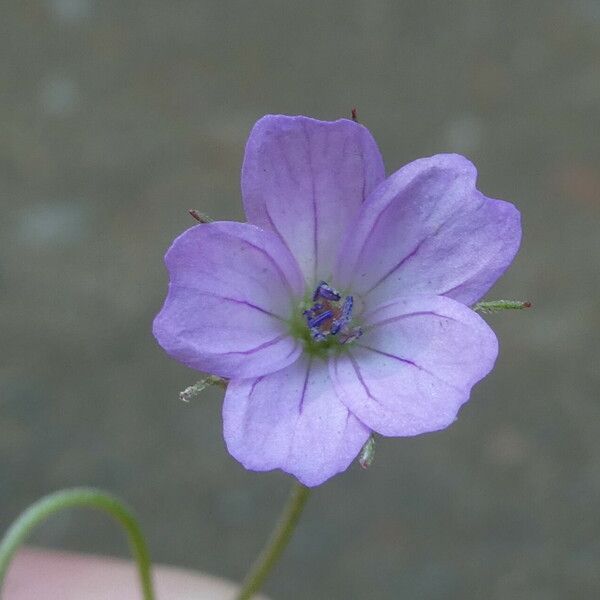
column 342, row 306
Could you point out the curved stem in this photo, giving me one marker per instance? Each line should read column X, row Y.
column 277, row 542
column 20, row 530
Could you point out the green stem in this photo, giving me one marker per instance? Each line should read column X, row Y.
column 78, row 497
column 277, row 542
column 493, row 306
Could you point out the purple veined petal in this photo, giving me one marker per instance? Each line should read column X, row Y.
column 415, row 365
column 292, row 420
column 428, row 230
column 306, row 180
column 232, row 287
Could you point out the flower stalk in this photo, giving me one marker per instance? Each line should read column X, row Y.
column 277, row 542
column 22, row 528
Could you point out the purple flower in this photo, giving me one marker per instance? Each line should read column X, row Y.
column 342, row 306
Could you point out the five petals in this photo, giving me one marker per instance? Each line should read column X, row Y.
column 417, row 249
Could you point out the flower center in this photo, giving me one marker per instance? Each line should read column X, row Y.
column 330, row 316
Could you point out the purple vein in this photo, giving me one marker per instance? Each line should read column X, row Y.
column 361, row 380
column 246, row 417
column 363, row 160
column 314, row 201
column 394, row 356
column 257, row 348
column 302, row 396
column 283, row 155
column 283, row 240
column 408, row 316
column 411, row 254
column 383, row 210
column 298, row 417
column 234, row 300
column 412, row 184
column 254, row 384
column 274, row 262
column 397, row 265
column 413, row 364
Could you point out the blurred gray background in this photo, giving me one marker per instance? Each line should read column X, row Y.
column 116, row 116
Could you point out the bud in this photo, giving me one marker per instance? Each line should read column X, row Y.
column 191, row 392
column 493, row 306
column 367, row 454
column 200, row 217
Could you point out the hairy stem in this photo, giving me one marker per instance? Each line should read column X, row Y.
column 277, row 542
column 20, row 530
column 493, row 306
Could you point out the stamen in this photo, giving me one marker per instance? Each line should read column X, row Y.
column 316, row 321
column 317, row 291
column 317, row 335
column 325, row 291
column 328, row 316
column 351, row 336
column 347, row 308
column 346, row 316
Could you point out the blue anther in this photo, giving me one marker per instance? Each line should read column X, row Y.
column 320, row 318
column 325, row 291
column 317, row 291
column 347, row 309
column 316, row 334
column 309, row 313
column 329, row 293
column 345, row 317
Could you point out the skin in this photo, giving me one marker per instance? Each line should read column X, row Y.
column 54, row 575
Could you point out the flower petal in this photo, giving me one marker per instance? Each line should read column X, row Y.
column 415, row 365
column 292, row 420
column 232, row 286
column 305, row 180
column 427, row 230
